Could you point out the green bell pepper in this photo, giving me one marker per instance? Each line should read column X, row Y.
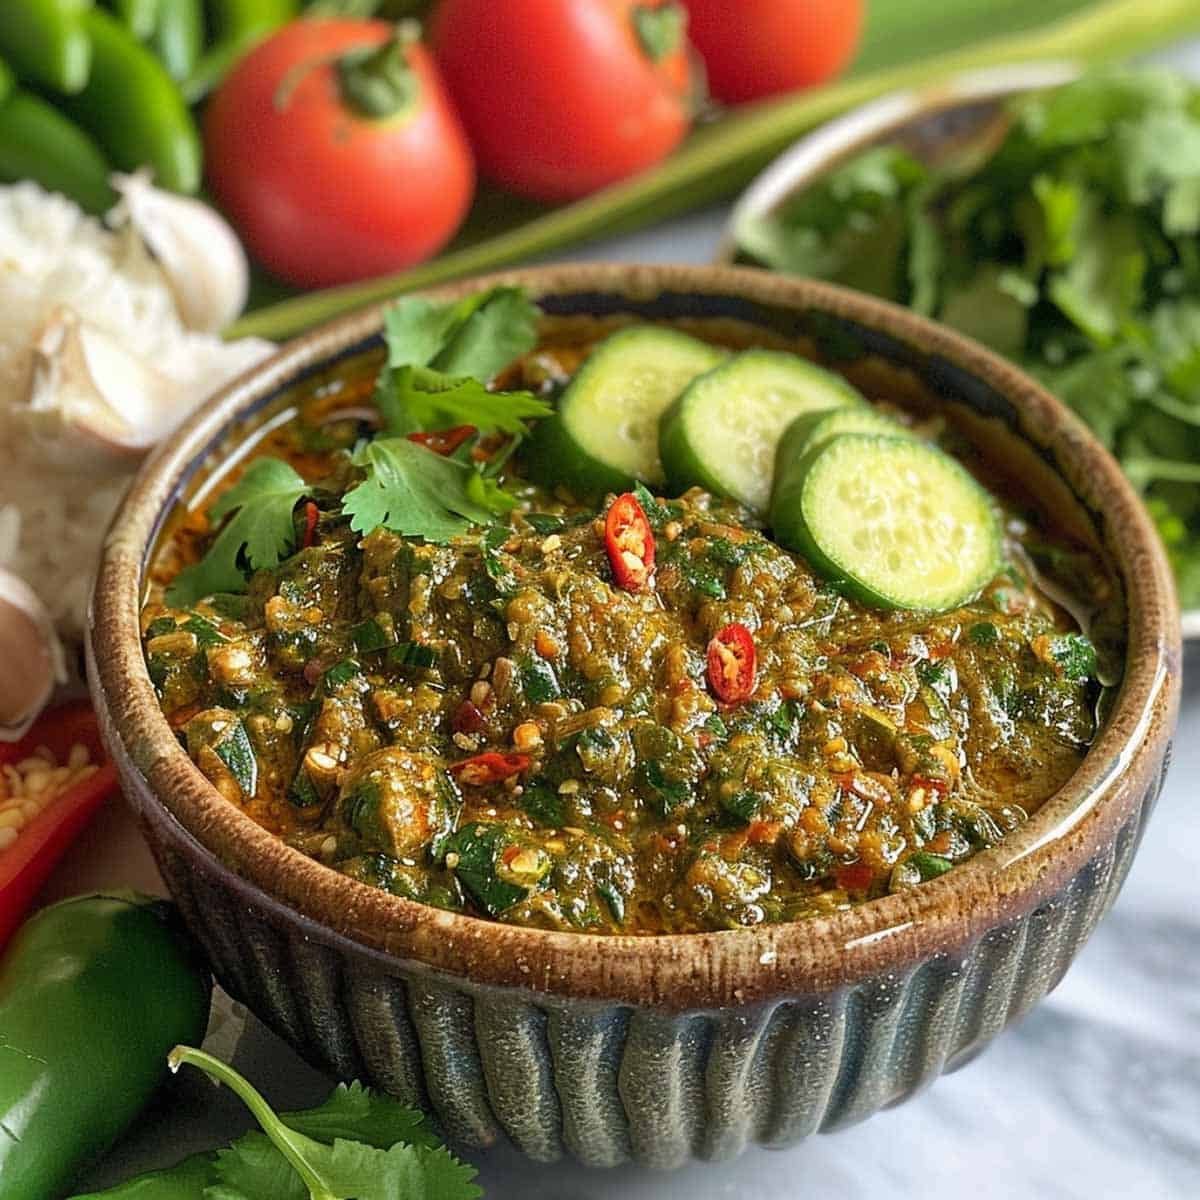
column 94, row 993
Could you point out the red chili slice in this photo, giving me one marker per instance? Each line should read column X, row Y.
column 311, row 516
column 630, row 543
column 482, row 769
column 444, row 441
column 732, row 663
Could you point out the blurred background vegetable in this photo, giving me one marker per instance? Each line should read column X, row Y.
column 719, row 159
column 563, row 97
column 94, row 992
column 767, row 47
column 336, row 152
column 1071, row 248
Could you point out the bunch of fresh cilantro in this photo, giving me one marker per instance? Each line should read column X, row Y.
column 1072, row 248
column 358, row 1145
column 441, row 358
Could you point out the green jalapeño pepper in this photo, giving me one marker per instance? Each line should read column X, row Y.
column 133, row 108
column 178, row 37
column 44, row 40
column 94, row 993
column 138, row 16
column 37, row 142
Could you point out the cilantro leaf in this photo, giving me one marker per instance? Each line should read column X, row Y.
column 357, row 1113
column 252, row 1167
column 260, row 532
column 410, row 490
column 281, row 1163
column 353, row 1171
column 487, row 493
column 412, row 398
column 440, row 357
column 476, row 336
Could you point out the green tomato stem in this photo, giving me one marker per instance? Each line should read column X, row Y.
column 379, row 83
column 719, row 160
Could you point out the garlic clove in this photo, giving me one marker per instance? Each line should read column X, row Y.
column 196, row 249
column 31, row 657
column 90, row 402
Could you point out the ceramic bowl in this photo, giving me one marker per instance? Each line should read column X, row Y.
column 658, row 1049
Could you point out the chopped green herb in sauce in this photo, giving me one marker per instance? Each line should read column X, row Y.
column 464, row 706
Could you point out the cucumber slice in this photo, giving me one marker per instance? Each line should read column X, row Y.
column 605, row 433
column 722, row 433
column 898, row 522
column 815, row 429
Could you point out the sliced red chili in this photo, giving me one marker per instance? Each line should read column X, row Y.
column 930, row 785
column 444, row 441
column 27, row 863
column 630, row 543
column 311, row 516
column 732, row 663
column 492, row 767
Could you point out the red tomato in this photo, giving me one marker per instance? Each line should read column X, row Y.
column 322, row 192
column 757, row 48
column 562, row 97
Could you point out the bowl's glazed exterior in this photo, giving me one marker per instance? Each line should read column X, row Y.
column 656, row 1049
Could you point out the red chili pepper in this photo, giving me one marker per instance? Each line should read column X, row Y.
column 629, row 542
column 732, row 663
column 311, row 516
column 482, row 769
column 930, row 785
column 857, row 877
column 444, row 441
column 27, row 863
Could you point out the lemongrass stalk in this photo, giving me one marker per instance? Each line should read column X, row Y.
column 721, row 159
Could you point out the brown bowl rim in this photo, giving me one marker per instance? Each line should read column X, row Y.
column 676, row 971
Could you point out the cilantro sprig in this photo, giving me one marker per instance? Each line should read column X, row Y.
column 358, row 1145
column 260, row 532
column 410, row 490
column 441, row 359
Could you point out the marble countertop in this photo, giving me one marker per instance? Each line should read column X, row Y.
column 1096, row 1094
